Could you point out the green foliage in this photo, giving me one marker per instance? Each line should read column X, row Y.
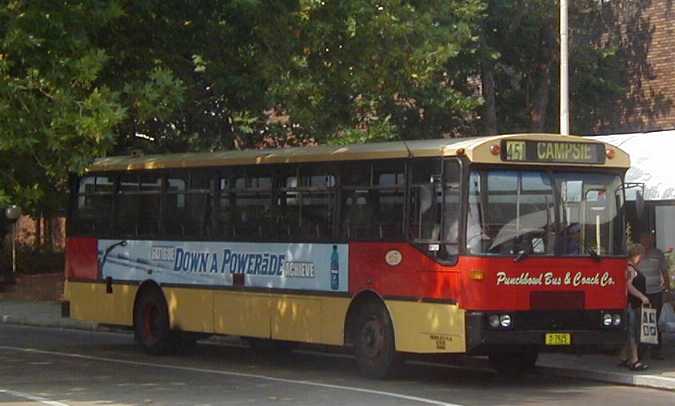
column 54, row 115
column 362, row 64
column 82, row 78
column 521, row 43
column 59, row 103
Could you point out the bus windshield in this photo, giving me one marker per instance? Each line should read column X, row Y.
column 545, row 213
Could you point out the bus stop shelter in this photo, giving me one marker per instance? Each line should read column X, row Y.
column 652, row 168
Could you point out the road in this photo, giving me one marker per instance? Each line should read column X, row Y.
column 68, row 367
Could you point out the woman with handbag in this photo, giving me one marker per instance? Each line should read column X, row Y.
column 636, row 298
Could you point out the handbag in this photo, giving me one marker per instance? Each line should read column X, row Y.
column 648, row 325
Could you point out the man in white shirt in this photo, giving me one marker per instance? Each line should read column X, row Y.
column 653, row 267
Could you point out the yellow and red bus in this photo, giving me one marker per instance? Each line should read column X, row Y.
column 504, row 245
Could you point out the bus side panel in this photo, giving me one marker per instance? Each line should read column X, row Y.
column 427, row 327
column 333, row 316
column 309, row 319
column 90, row 302
column 416, row 277
column 81, row 258
column 190, row 309
column 296, row 319
column 318, row 320
column 242, row 313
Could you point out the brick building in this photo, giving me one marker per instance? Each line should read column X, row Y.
column 647, row 28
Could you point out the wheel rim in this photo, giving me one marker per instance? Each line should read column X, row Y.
column 150, row 321
column 372, row 338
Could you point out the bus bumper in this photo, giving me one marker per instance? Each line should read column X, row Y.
column 481, row 339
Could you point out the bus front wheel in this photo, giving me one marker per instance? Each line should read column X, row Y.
column 151, row 323
column 374, row 345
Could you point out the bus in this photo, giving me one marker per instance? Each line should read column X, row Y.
column 503, row 246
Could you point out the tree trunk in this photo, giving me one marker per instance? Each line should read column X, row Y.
column 540, row 99
column 49, row 233
column 38, row 232
column 488, row 85
column 542, row 74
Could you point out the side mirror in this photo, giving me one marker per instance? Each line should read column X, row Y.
column 639, row 203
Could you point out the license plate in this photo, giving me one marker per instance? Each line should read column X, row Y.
column 558, row 339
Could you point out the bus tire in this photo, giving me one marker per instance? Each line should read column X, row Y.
column 513, row 363
column 151, row 323
column 374, row 346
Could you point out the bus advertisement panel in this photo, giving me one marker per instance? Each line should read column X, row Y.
column 301, row 267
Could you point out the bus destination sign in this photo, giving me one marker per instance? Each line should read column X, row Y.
column 553, row 151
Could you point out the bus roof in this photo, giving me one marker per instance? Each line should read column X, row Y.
column 475, row 149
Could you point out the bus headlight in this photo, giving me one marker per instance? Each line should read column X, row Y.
column 616, row 320
column 505, row 320
column 493, row 320
column 606, row 319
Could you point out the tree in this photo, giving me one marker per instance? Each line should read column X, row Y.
column 521, row 48
column 85, row 78
column 57, row 110
column 364, row 70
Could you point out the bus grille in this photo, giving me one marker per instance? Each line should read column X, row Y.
column 556, row 320
column 557, row 300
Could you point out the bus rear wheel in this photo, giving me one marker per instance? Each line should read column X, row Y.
column 374, row 345
column 151, row 323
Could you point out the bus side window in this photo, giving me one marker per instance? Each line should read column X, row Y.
column 389, row 192
column 434, row 214
column 425, row 201
column 451, row 210
column 198, row 205
column 150, row 195
column 357, row 206
column 175, row 205
column 317, row 200
column 128, row 206
column 289, row 202
column 224, row 210
column 94, row 196
column 253, row 198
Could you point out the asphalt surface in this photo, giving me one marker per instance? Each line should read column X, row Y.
column 68, row 367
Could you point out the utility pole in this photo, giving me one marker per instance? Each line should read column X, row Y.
column 564, row 87
column 9, row 216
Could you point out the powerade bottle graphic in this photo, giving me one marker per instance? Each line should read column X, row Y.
column 334, row 269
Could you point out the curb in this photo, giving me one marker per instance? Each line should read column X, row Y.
column 641, row 380
column 61, row 324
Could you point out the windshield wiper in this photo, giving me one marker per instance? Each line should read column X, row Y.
column 524, row 253
column 593, row 254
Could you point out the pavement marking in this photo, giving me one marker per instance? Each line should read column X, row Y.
column 235, row 374
column 33, row 398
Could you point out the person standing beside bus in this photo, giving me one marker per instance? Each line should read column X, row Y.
column 653, row 267
column 636, row 298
